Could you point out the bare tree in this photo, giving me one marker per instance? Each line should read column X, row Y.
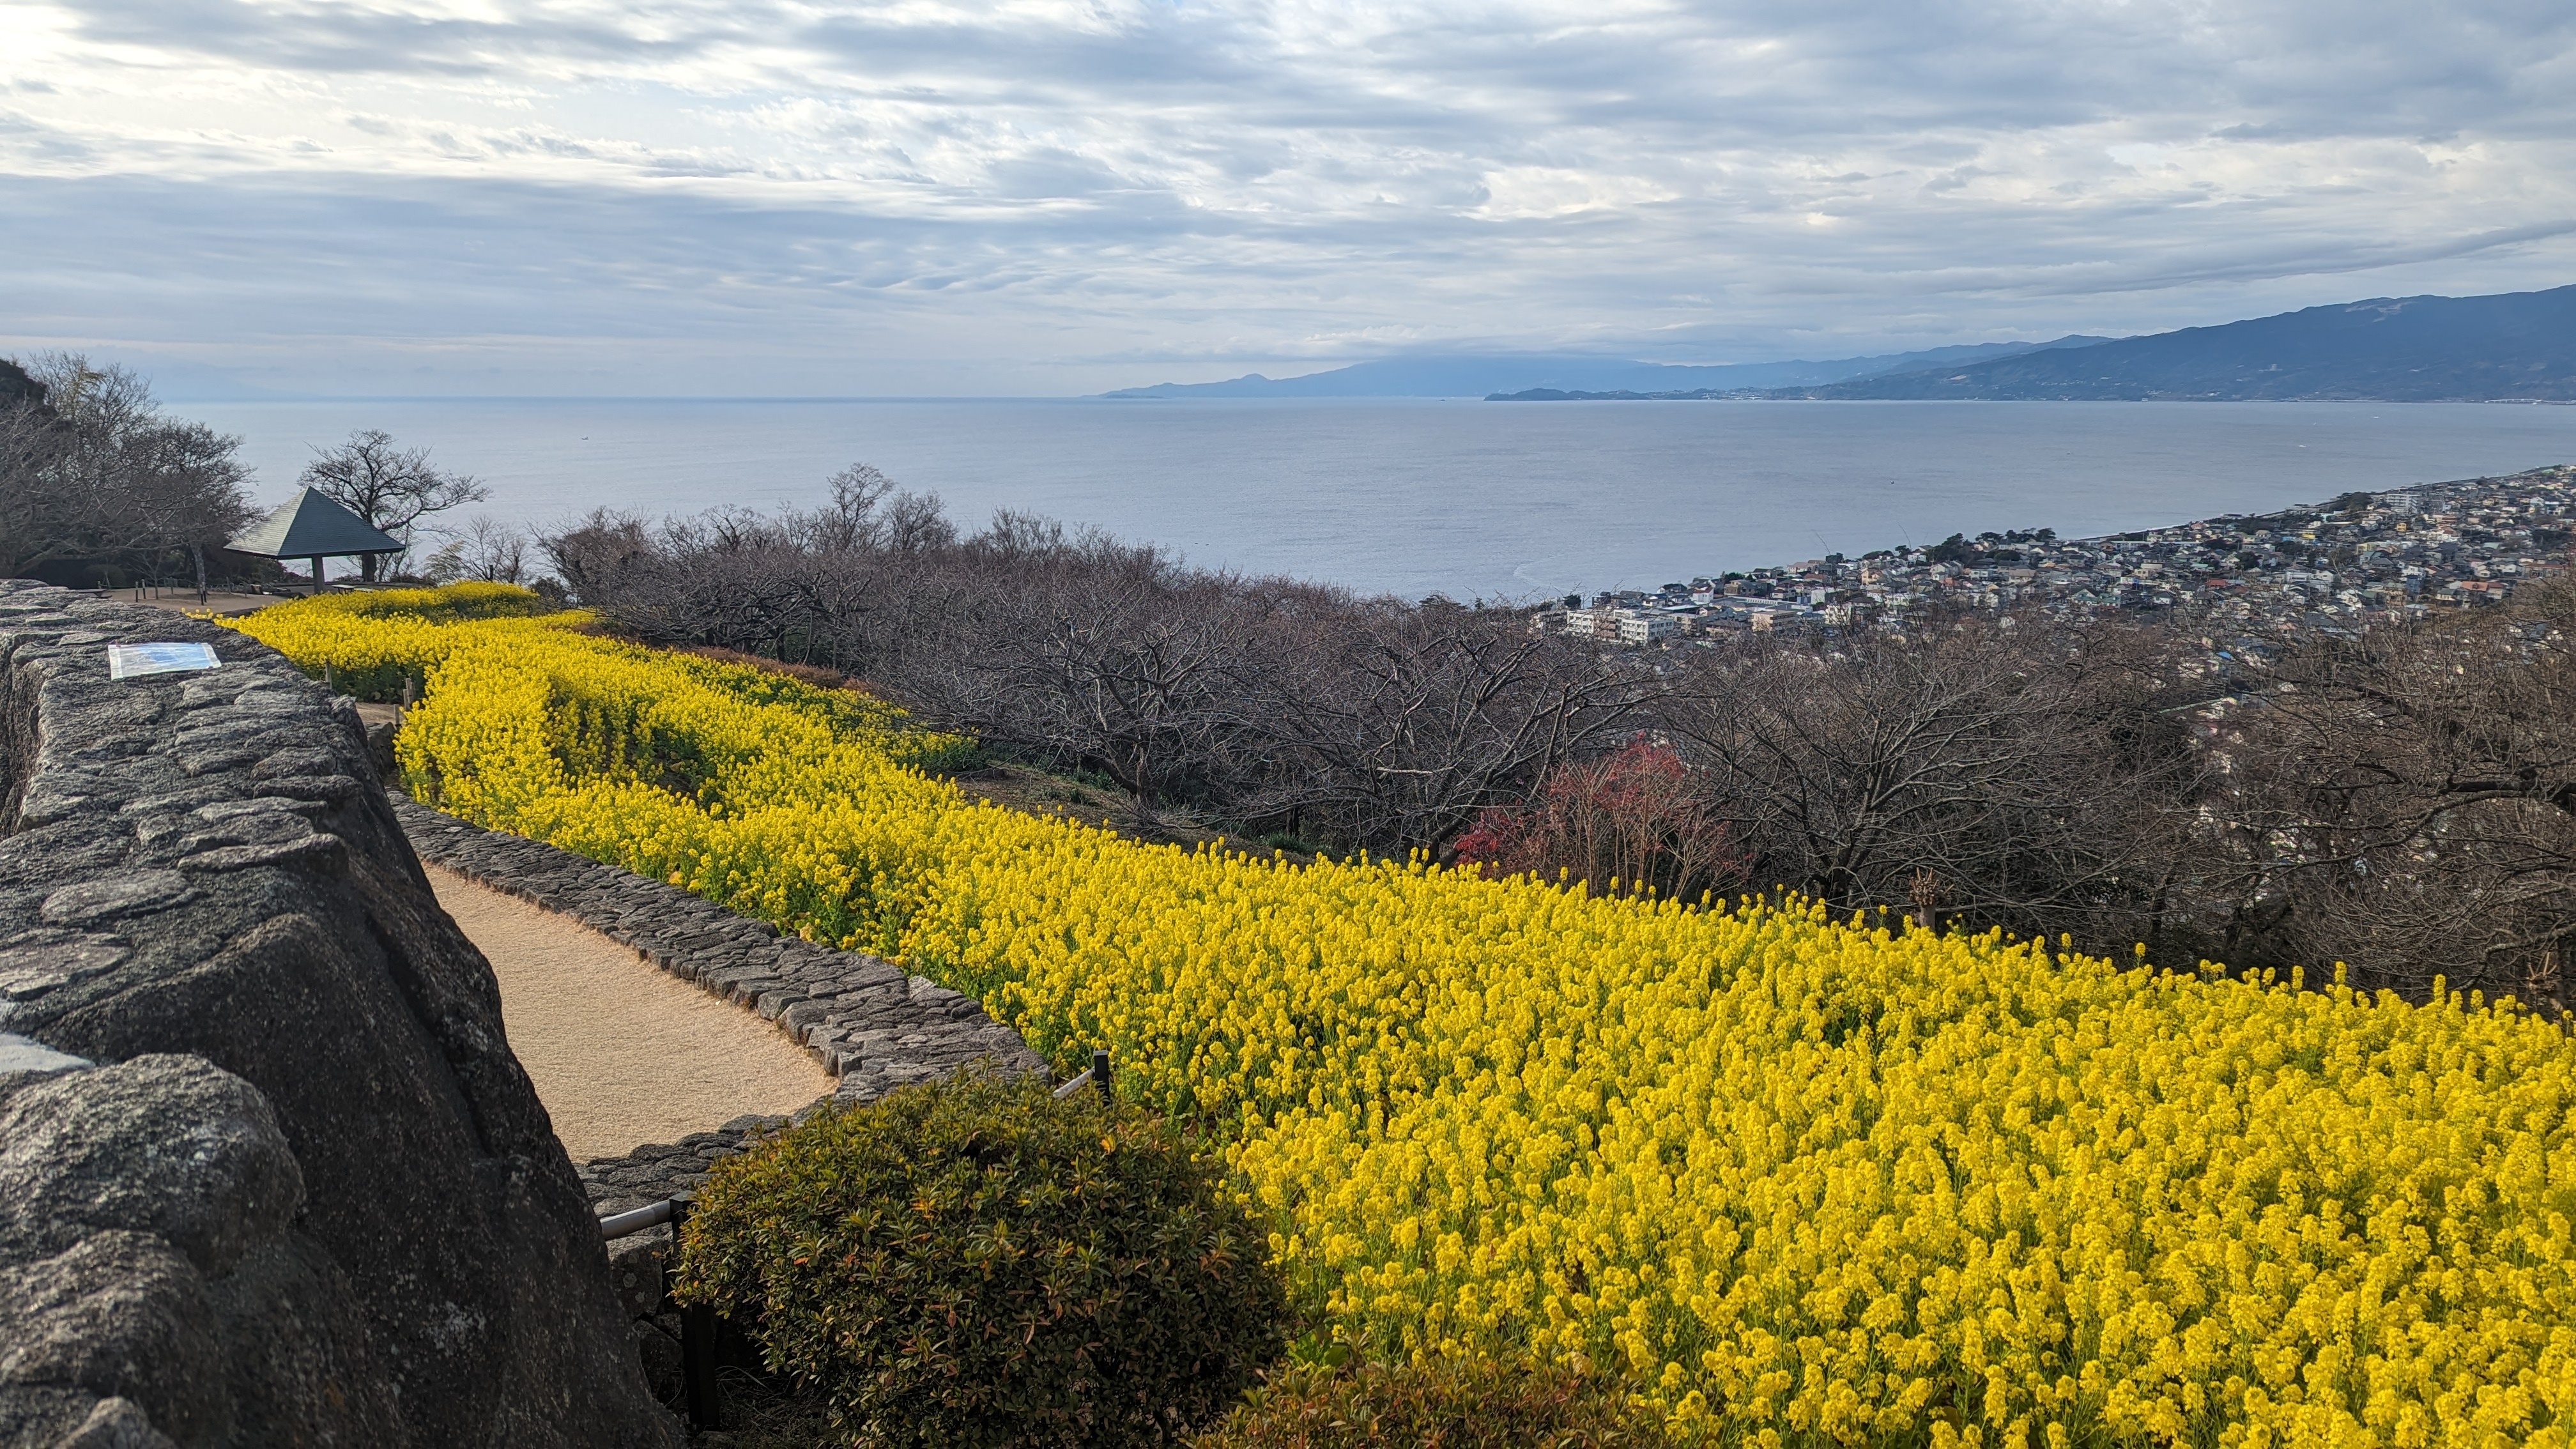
column 390, row 487
column 36, row 513
column 1246, row 700
column 804, row 585
column 1082, row 652
column 2039, row 780
column 1633, row 822
column 867, row 512
column 487, row 550
column 1398, row 723
column 2405, row 801
column 604, row 559
column 94, row 473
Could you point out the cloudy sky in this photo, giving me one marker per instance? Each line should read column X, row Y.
column 767, row 197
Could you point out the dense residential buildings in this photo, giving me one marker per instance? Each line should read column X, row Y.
column 1639, row 626
column 2360, row 560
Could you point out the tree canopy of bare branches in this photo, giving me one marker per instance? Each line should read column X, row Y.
column 92, row 472
column 1260, row 702
column 389, row 486
column 2006, row 776
column 485, row 550
column 1402, row 722
column 1633, row 822
column 2404, row 801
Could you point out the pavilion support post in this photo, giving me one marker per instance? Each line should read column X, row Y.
column 317, row 573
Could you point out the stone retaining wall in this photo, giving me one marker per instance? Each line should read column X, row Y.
column 863, row 1018
column 269, row 1173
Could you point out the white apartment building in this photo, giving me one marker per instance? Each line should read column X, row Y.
column 1600, row 625
column 1636, row 626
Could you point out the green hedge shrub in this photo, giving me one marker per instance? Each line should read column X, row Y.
column 447, row 604
column 975, row 1263
column 1471, row 1404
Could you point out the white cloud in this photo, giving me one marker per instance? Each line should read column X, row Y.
column 1520, row 192
column 1057, row 196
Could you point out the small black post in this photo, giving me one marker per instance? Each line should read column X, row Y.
column 1100, row 1076
column 698, row 1393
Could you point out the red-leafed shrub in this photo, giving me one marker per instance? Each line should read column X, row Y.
column 1626, row 823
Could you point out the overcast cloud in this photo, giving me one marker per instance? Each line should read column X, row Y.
column 771, row 197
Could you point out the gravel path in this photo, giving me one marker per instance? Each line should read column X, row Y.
column 622, row 1053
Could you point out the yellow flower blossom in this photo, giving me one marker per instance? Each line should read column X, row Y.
column 1806, row 1181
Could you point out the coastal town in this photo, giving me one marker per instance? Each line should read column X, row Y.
column 2362, row 559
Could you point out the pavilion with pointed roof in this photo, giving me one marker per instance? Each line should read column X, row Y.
column 313, row 527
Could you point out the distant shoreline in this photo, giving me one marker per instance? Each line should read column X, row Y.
column 1547, row 394
column 1550, row 395
column 2366, row 557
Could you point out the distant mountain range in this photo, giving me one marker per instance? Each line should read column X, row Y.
column 1480, row 376
column 2518, row 346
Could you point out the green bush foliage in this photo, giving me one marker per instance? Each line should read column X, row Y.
column 1450, row 1404
column 975, row 1263
column 448, row 604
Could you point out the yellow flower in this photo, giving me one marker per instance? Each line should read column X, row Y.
column 1805, row 1181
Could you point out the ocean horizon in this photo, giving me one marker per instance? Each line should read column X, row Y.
column 1456, row 496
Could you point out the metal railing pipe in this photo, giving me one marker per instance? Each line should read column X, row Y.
column 1097, row 1076
column 619, row 1225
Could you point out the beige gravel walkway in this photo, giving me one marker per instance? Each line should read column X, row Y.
column 621, row 1053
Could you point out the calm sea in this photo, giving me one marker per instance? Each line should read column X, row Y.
column 1468, row 498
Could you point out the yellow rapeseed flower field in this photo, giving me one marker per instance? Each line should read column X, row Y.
column 1804, row 1181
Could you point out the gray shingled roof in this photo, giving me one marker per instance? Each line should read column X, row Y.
column 309, row 525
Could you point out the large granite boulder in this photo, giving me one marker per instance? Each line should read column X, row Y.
column 269, row 1174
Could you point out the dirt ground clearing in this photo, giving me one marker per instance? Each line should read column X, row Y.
column 621, row 1053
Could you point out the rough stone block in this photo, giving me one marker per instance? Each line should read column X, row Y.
column 168, row 1145
column 635, row 1268
column 306, row 1196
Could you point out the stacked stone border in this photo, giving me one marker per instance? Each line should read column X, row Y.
column 269, row 1171
column 868, row 1022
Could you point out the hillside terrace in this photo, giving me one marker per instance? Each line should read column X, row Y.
column 2360, row 560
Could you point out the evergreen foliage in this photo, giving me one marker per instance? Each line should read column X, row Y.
column 974, row 1262
column 1447, row 1403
